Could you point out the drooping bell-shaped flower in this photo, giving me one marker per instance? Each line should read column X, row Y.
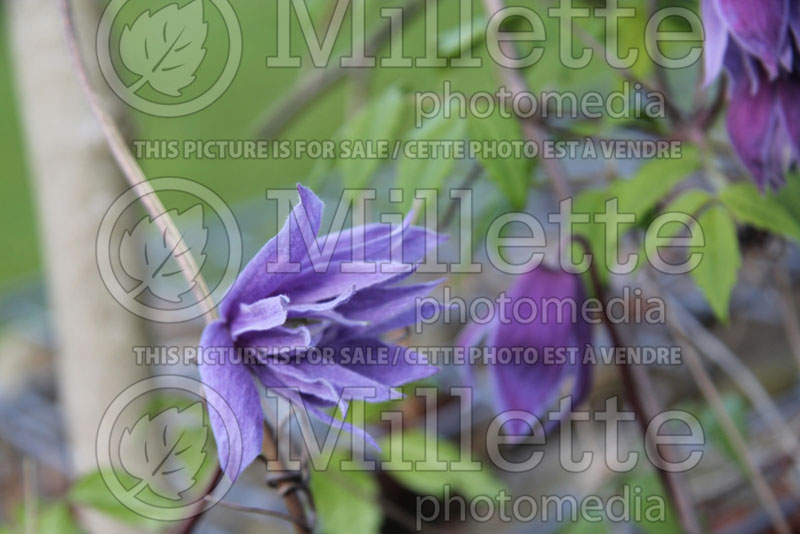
column 542, row 311
column 758, row 44
column 296, row 295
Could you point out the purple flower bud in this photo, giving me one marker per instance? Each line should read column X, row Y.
column 758, row 29
column 283, row 305
column 758, row 43
column 541, row 312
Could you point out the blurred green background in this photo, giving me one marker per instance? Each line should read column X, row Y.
column 257, row 89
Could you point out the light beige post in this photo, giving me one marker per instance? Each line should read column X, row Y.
column 75, row 181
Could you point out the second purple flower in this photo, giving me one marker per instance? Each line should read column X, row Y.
column 541, row 312
column 758, row 43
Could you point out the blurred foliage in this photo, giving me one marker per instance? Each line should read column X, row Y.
column 47, row 517
column 378, row 107
column 427, row 466
column 18, row 240
column 92, row 491
column 346, row 501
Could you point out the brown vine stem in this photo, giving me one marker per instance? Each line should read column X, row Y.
column 286, row 487
column 635, row 379
column 530, row 129
column 730, row 363
column 188, row 526
column 791, row 322
column 640, row 391
column 712, row 395
column 155, row 208
column 130, row 168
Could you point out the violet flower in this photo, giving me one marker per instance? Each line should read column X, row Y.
column 758, row 43
column 289, row 300
column 535, row 386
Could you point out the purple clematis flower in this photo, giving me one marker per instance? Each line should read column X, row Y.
column 758, row 43
column 557, row 325
column 296, row 295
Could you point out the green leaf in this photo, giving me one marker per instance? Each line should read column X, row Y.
column 655, row 519
column 91, row 491
column 458, row 41
column 165, row 48
column 637, row 195
column 53, row 517
column 765, row 212
column 653, row 181
column 377, row 121
column 163, row 454
column 717, row 271
column 584, row 526
column 56, row 518
column 512, row 175
column 631, row 34
column 689, row 202
column 789, row 196
column 426, row 477
column 428, row 172
column 591, row 202
column 346, row 501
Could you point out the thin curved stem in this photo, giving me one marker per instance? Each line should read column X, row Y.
column 293, row 503
column 789, row 315
column 189, row 524
column 530, row 129
column 155, row 208
column 133, row 173
column 719, row 353
column 636, row 382
column 710, row 392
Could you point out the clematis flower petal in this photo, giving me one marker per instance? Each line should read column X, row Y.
column 312, row 404
column 789, row 94
column 716, row 40
column 254, row 282
column 794, row 20
column 752, row 123
column 528, row 387
column 338, row 377
column 234, row 384
column 385, row 302
column 759, row 28
column 403, row 365
column 260, row 316
column 278, row 339
column 360, row 275
column 760, row 45
column 302, row 292
column 743, row 70
column 534, row 388
column 374, row 243
column 326, row 310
